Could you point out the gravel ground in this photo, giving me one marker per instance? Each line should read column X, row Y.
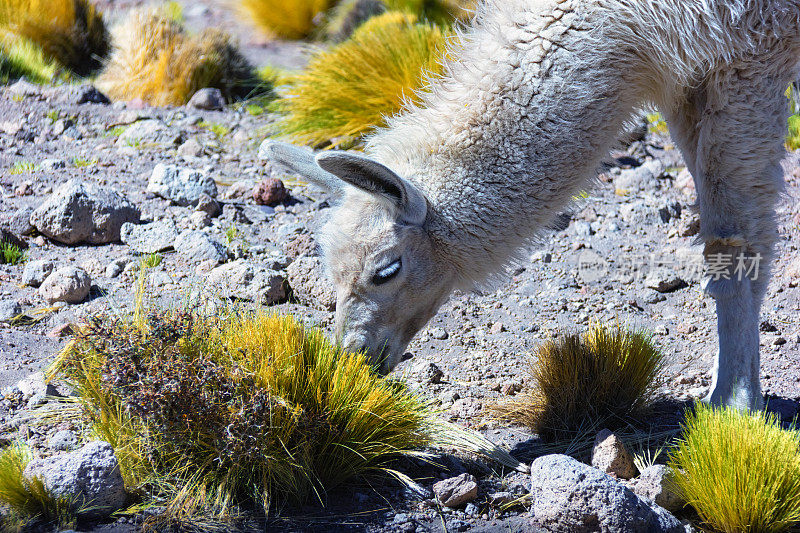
column 637, row 222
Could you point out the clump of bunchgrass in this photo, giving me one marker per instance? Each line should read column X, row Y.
column 237, row 410
column 350, row 89
column 11, row 254
column 348, row 15
column 289, row 19
column 740, row 471
column 29, row 501
column 156, row 60
column 20, row 58
column 70, row 32
column 606, row 377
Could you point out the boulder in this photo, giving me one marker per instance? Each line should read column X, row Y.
column 80, row 212
column 456, row 491
column 89, row 477
column 182, row 185
column 655, row 483
column 246, row 281
column 309, row 284
column 569, row 496
column 612, row 457
column 198, row 246
column 67, row 284
column 150, row 238
column 208, row 98
column 35, row 272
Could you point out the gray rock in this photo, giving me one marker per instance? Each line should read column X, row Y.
column 247, row 281
column 654, row 483
column 208, row 205
column 24, row 88
column 309, row 284
column 190, row 148
column 198, row 246
column 182, row 185
column 611, row 456
column 83, row 212
column 149, row 133
column 438, row 333
column 9, row 309
column 456, row 491
column 50, row 165
column 67, row 284
column 116, row 267
column 501, row 498
column 35, row 384
column 150, row 238
column 200, row 219
column 19, row 222
column 569, row 496
column 208, row 99
column 36, row 400
column 664, row 281
column 64, row 440
column 35, row 272
column 89, row 477
column 77, row 94
column 640, row 177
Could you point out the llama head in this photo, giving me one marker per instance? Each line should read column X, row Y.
column 389, row 278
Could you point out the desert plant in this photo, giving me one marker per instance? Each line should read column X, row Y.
column 348, row 15
column 740, row 471
column 11, row 254
column 289, row 19
column 607, row 377
column 349, row 90
column 28, row 499
column 247, row 408
column 156, row 60
column 71, row 32
column 21, row 58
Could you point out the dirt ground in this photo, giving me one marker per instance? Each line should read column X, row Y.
column 638, row 225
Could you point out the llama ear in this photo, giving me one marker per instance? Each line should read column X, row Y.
column 375, row 178
column 300, row 161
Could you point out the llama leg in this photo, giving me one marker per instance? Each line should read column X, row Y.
column 736, row 167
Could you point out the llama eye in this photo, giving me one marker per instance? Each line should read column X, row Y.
column 386, row 273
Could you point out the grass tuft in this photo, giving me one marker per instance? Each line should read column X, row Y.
column 22, row 58
column 607, row 377
column 288, row 19
column 70, row 32
column 740, row 471
column 29, row 501
column 156, row 60
column 11, row 254
column 350, row 89
column 210, row 415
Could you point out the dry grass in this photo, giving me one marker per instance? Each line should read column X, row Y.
column 289, row 19
column 349, row 90
column 70, row 32
column 156, row 60
column 22, row 58
column 607, row 377
column 740, row 471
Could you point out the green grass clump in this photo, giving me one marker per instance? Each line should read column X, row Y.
column 740, row 471
column 30, row 503
column 156, row 60
column 793, row 136
column 289, row 19
column 350, row 89
column 11, row 254
column 69, row 32
column 21, row 58
column 21, row 167
column 210, row 415
column 607, row 377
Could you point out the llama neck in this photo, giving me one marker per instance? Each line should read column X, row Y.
column 517, row 126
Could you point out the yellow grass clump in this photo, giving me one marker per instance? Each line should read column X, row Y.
column 349, row 90
column 156, row 60
column 22, row 58
column 70, row 32
column 606, row 377
column 289, row 19
column 740, row 471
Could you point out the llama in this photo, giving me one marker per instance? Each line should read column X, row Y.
column 533, row 97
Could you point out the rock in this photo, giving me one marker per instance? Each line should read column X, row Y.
column 583, row 228
column 208, row 98
column 198, row 246
column 84, row 213
column 67, row 284
column 640, row 177
column 180, row 184
column 689, row 227
column 35, row 384
column 240, row 189
column 456, row 491
column 664, row 281
column 9, row 309
column 569, row 496
column 438, row 333
column 611, row 456
column 116, row 267
column 497, row 499
column 244, row 280
column 235, row 214
column 207, row 204
column 309, row 284
column 63, row 441
column 299, row 244
column 19, row 223
column 270, row 191
column 23, row 88
column 35, row 272
column 7, row 237
column 150, row 238
column 200, row 220
column 87, row 477
column 654, row 483
column 77, row 94
column 149, row 133
column 431, row 373
column 190, row 148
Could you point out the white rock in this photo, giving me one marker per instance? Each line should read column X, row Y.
column 35, row 272
column 182, row 185
column 9, row 309
column 198, row 246
column 150, row 238
column 247, row 281
column 150, row 133
column 67, row 284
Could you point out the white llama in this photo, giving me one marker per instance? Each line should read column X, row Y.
column 535, row 95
